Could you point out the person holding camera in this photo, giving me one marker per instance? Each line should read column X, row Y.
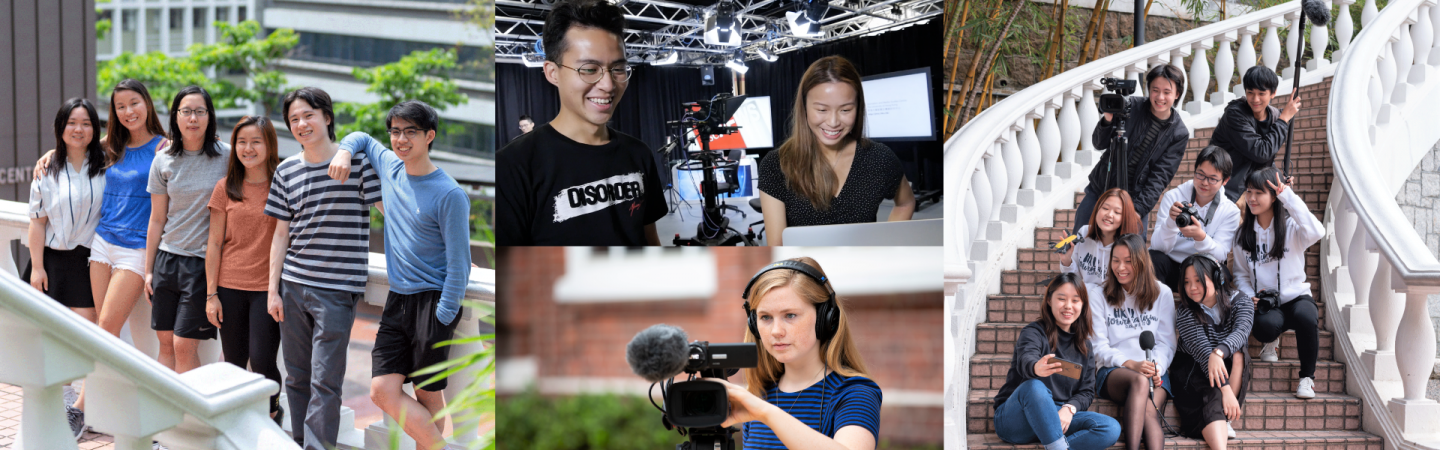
column 1198, row 223
column 1275, row 230
column 575, row 180
column 1157, row 138
column 1090, row 256
column 1212, row 368
column 1130, row 306
column 1251, row 130
column 805, row 181
column 1051, row 381
column 809, row 387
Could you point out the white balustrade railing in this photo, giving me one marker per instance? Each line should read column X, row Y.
column 1378, row 271
column 1005, row 175
column 44, row 346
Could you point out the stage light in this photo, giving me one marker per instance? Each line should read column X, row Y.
column 720, row 26
column 533, row 59
column 766, row 54
column 806, row 21
column 737, row 65
column 666, row 58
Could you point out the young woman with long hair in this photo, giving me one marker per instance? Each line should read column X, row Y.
column 235, row 297
column 1040, row 404
column 180, row 184
column 810, row 384
column 1212, row 366
column 827, row 172
column 1269, row 252
column 1090, row 259
column 65, row 209
column 1130, row 303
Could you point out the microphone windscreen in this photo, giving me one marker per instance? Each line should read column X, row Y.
column 1316, row 11
column 1147, row 340
column 658, row 353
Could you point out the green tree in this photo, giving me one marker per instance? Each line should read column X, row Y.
column 163, row 76
column 238, row 49
column 421, row 75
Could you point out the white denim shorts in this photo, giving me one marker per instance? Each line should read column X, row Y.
column 117, row 257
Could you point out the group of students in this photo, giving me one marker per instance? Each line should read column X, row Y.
column 577, row 181
column 1115, row 288
column 228, row 239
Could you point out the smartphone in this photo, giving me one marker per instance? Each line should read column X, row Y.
column 1069, row 369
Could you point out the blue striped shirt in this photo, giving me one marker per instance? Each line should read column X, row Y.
column 828, row 406
column 329, row 222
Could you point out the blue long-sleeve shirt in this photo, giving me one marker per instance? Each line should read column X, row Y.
column 427, row 239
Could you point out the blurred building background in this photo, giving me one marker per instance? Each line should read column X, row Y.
column 566, row 314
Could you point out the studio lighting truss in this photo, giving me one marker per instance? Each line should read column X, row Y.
column 681, row 28
column 737, row 63
column 535, row 58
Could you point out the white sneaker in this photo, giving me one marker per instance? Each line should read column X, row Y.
column 1307, row 388
column 1270, row 351
column 1230, row 430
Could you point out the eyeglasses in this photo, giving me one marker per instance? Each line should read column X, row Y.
column 591, row 73
column 410, row 133
column 1209, row 181
column 193, row 112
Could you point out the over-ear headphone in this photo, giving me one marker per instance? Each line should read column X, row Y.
column 827, row 315
column 1217, row 274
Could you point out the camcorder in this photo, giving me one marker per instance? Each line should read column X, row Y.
column 1114, row 102
column 696, row 407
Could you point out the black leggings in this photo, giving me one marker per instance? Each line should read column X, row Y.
column 1300, row 315
column 249, row 335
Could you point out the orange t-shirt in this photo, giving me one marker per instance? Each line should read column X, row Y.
column 245, row 261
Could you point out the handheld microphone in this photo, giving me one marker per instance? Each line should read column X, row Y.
column 1147, row 342
column 658, row 353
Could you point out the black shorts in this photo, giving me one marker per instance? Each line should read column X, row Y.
column 69, row 276
column 179, row 301
column 407, row 336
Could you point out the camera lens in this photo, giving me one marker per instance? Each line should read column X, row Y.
column 699, row 403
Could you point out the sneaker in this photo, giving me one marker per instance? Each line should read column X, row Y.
column 1230, row 430
column 1270, row 351
column 279, row 417
column 1307, row 388
column 155, row 445
column 77, row 421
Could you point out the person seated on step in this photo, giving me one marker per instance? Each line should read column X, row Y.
column 1090, row 255
column 1275, row 230
column 1251, row 130
column 1043, row 401
column 1212, row 365
column 1157, row 139
column 1130, row 304
column 1209, row 232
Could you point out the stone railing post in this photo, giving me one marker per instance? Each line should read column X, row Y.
column 1199, row 76
column 1361, row 260
column 1245, row 57
column 1385, row 309
column 1070, row 129
column 1292, row 45
column 1270, row 48
column 1416, row 360
column 1344, row 28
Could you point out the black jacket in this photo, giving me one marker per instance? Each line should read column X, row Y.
column 1252, row 144
column 1161, row 160
column 1029, row 347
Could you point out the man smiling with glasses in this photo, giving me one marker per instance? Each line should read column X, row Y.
column 1211, row 232
column 574, row 180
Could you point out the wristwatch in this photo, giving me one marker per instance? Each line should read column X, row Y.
column 1072, row 408
column 1220, row 353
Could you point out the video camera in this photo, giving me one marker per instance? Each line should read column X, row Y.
column 1114, row 102
column 704, row 119
column 698, row 407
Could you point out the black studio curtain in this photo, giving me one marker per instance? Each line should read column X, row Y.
column 655, row 93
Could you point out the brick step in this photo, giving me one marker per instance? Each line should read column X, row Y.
column 989, row 371
column 999, row 338
column 1263, row 411
column 1244, row 440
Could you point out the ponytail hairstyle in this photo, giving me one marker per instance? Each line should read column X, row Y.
column 1206, row 268
column 801, row 160
column 117, row 136
column 1129, row 219
column 1257, row 180
column 839, row 354
column 1143, row 285
column 1081, row 327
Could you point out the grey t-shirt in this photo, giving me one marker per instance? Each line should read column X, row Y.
column 188, row 179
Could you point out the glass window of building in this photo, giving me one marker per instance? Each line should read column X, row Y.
column 105, row 43
column 152, row 30
column 241, row 14
column 128, row 21
column 197, row 24
column 222, row 14
column 177, row 29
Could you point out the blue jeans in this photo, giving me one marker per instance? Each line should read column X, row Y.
column 1031, row 415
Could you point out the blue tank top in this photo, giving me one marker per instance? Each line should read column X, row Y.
column 125, row 214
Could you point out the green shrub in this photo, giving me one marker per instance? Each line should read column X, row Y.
column 591, row 422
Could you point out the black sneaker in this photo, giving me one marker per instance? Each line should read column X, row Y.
column 279, row 417
column 77, row 421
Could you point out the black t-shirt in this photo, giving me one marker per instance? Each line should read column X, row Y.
column 552, row 190
column 874, row 176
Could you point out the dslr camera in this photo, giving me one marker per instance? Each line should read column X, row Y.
column 1189, row 214
column 1114, row 102
column 1269, row 299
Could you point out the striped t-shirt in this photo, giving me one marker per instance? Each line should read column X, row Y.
column 835, row 403
column 329, row 222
